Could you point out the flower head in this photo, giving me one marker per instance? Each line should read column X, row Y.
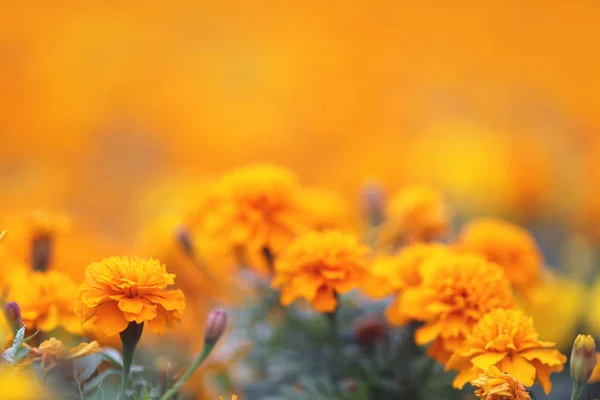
column 508, row 340
column 53, row 353
column 415, row 213
column 494, row 384
column 119, row 290
column 253, row 208
column 46, row 300
column 318, row 265
column 21, row 384
column 507, row 245
column 324, row 209
column 398, row 272
column 455, row 292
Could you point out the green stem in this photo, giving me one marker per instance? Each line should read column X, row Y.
column 577, row 389
column 179, row 384
column 128, row 352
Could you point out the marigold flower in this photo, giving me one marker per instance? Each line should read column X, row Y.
column 508, row 340
column 494, row 384
column 506, row 244
column 455, row 292
column 398, row 272
column 317, row 265
column 20, row 384
column 253, row 208
column 324, row 209
column 53, row 353
column 46, row 300
column 415, row 213
column 119, row 290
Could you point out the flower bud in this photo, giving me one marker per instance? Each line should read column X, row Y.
column 583, row 358
column 215, row 325
column 2, row 235
column 369, row 330
column 12, row 315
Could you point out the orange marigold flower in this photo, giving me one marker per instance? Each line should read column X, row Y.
column 508, row 340
column 398, row 272
column 415, row 213
column 46, row 300
column 119, row 290
column 53, row 353
column 253, row 208
column 317, row 265
column 494, row 384
column 506, row 244
column 455, row 292
column 324, row 209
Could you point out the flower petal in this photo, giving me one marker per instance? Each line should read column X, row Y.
column 485, row 360
column 520, row 368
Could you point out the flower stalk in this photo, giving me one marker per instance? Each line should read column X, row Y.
column 130, row 337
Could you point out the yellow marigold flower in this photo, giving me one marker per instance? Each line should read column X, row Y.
column 20, row 384
column 455, row 292
column 398, row 272
column 324, row 209
column 508, row 340
column 253, row 208
column 494, row 384
column 119, row 290
column 568, row 310
column 415, row 213
column 507, row 245
column 46, row 300
column 317, row 265
column 53, row 353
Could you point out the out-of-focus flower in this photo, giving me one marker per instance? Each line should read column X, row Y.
column 415, row 213
column 20, row 384
column 398, row 272
column 568, row 310
column 324, row 209
column 2, row 235
column 494, row 384
column 233, row 397
column 120, row 290
column 319, row 265
column 583, row 358
column 53, row 353
column 508, row 340
column 592, row 312
column 455, row 292
column 46, row 300
column 596, row 372
column 252, row 209
column 507, row 245
column 370, row 330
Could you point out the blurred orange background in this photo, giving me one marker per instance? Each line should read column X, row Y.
column 115, row 111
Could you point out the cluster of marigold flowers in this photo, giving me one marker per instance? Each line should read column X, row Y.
column 464, row 290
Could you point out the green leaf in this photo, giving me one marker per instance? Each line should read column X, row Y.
column 113, row 356
column 98, row 379
column 84, row 367
column 15, row 352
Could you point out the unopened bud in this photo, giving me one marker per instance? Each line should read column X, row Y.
column 370, row 330
column 185, row 240
column 12, row 315
column 2, row 235
column 349, row 385
column 583, row 358
column 215, row 325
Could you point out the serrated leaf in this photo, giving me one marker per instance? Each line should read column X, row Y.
column 84, row 367
column 12, row 354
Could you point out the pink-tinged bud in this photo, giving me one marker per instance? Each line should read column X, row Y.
column 215, row 325
column 2, row 235
column 583, row 358
column 12, row 314
column 349, row 385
